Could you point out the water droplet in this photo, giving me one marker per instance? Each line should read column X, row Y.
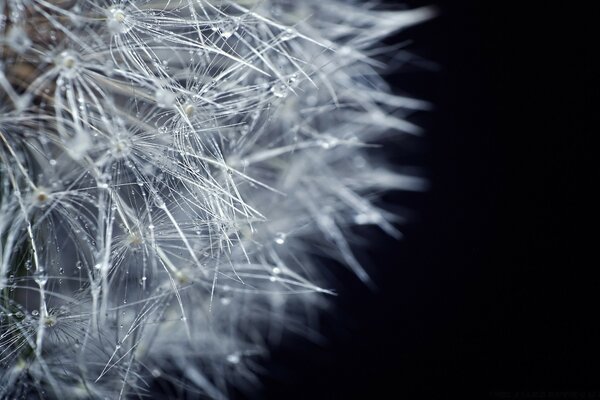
column 288, row 34
column 228, row 28
column 40, row 277
column 158, row 201
column 233, row 358
column 244, row 129
column 280, row 238
column 225, row 301
column 279, row 90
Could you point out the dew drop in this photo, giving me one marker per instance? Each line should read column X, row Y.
column 279, row 90
column 280, row 238
column 233, row 358
column 225, row 301
column 288, row 34
column 159, row 202
column 40, row 277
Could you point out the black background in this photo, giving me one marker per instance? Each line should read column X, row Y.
column 490, row 294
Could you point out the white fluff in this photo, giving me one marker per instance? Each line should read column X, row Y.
column 168, row 170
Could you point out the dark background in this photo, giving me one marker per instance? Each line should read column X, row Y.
column 490, row 294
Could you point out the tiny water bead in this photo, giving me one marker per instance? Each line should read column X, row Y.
column 158, row 202
column 227, row 27
column 40, row 277
column 280, row 238
column 244, row 129
column 288, row 34
column 233, row 358
column 225, row 301
column 279, row 90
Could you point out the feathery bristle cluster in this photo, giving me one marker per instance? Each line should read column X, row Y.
column 168, row 169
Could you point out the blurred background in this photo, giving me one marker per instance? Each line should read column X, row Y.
column 490, row 293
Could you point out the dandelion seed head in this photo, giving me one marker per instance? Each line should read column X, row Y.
column 168, row 170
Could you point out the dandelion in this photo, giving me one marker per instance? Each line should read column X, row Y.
column 168, row 169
